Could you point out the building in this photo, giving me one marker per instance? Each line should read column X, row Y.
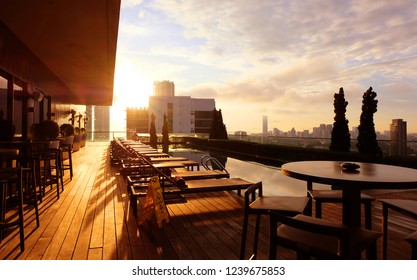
column 265, row 125
column 137, row 121
column 323, row 131
column 163, row 88
column 398, row 137
column 97, row 123
column 184, row 113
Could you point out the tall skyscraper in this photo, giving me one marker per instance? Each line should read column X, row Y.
column 98, row 123
column 137, row 121
column 398, row 137
column 163, row 88
column 265, row 125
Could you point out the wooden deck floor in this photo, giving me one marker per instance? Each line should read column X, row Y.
column 93, row 220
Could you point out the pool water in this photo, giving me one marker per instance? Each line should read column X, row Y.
column 274, row 182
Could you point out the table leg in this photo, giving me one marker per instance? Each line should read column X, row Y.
column 309, row 207
column 351, row 207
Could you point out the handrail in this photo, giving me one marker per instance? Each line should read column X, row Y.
column 214, row 161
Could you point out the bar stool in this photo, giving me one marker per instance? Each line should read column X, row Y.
column 5, row 180
column 18, row 187
column 55, row 164
column 335, row 196
column 286, row 205
column 46, row 158
column 9, row 178
column 66, row 154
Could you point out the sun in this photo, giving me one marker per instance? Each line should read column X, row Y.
column 131, row 88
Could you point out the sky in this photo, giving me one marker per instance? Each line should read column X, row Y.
column 280, row 59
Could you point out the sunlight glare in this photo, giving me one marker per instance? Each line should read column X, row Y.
column 131, row 89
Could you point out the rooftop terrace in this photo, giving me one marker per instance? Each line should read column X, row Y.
column 93, row 220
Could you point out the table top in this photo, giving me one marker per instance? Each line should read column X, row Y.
column 367, row 176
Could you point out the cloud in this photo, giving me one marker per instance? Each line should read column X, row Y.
column 286, row 57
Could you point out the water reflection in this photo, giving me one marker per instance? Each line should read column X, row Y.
column 273, row 181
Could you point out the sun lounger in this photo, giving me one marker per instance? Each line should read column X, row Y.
column 212, row 185
column 200, row 174
column 193, row 186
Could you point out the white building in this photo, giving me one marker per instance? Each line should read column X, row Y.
column 163, row 88
column 185, row 114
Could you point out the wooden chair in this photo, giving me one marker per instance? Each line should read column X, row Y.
column 335, row 196
column 412, row 239
column 286, row 205
column 404, row 206
column 319, row 238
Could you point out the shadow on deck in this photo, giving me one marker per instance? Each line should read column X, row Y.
column 93, row 220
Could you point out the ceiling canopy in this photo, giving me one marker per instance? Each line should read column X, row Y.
column 75, row 39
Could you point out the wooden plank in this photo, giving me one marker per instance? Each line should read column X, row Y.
column 205, row 226
column 200, row 174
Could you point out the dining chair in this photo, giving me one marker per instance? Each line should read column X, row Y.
column 412, row 239
column 319, row 238
column 406, row 207
column 286, row 205
column 335, row 196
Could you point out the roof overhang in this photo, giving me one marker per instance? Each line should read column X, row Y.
column 75, row 39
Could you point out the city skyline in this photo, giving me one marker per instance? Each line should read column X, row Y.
column 255, row 60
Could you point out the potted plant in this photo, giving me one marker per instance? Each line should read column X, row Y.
column 66, row 129
column 47, row 130
column 83, row 137
column 77, row 140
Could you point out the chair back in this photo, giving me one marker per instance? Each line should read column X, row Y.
column 306, row 223
column 8, row 158
column 250, row 193
column 68, row 140
column 312, row 231
column 54, row 144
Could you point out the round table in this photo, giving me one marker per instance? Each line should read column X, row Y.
column 367, row 176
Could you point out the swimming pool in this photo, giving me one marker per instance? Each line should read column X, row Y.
column 274, row 182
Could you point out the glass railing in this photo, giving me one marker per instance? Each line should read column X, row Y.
column 388, row 148
column 408, row 148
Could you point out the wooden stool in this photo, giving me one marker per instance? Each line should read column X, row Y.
column 335, row 196
column 7, row 179
column 66, row 154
